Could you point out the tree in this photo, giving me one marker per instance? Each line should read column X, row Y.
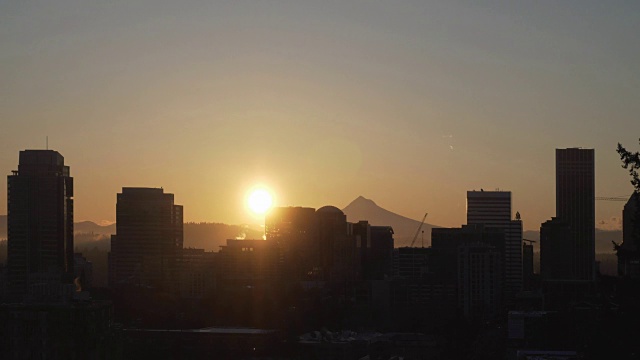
column 631, row 162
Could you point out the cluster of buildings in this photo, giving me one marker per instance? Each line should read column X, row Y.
column 478, row 270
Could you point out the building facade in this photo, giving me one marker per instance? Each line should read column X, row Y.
column 148, row 240
column 493, row 209
column 629, row 251
column 40, row 222
column 575, row 205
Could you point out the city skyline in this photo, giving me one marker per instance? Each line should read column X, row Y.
column 411, row 105
column 253, row 218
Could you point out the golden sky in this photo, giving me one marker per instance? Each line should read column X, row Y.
column 409, row 104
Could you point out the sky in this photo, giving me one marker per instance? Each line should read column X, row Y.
column 407, row 103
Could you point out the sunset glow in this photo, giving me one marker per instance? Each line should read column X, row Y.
column 259, row 201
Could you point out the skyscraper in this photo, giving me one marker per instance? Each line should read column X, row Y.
column 148, row 240
column 493, row 209
column 295, row 232
column 575, row 205
column 40, row 221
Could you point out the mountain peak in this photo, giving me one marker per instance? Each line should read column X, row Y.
column 362, row 201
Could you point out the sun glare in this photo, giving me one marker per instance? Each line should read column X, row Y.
column 260, row 200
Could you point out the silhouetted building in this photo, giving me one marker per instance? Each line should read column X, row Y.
column 81, row 330
column 197, row 273
column 629, row 251
column 479, row 279
column 294, row 231
column 575, row 205
column 248, row 262
column 556, row 250
column 411, row 262
column 493, row 209
column 148, row 240
column 40, row 222
column 527, row 264
column 379, row 263
column 362, row 233
column 457, row 258
column 338, row 256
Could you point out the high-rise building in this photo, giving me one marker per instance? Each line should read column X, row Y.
column 493, row 209
column 40, row 221
column 148, row 240
column 527, row 265
column 629, row 251
column 294, row 231
column 337, row 245
column 479, row 279
column 470, row 259
column 555, row 250
column 575, row 205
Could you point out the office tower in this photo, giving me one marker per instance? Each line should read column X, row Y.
column 337, row 245
column 295, row 232
column 556, row 248
column 629, row 251
column 380, row 258
column 575, row 205
column 148, row 240
column 40, row 221
column 493, row 209
column 248, row 262
column 527, row 265
column 469, row 258
column 479, row 279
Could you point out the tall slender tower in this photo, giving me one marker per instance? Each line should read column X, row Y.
column 575, row 205
column 493, row 209
column 40, row 221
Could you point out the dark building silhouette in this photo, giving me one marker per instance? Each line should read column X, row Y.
column 40, row 222
column 527, row 265
column 479, row 279
column 148, row 240
column 629, row 251
column 379, row 262
column 470, row 258
column 575, row 205
column 248, row 262
column 556, row 250
column 197, row 273
column 338, row 256
column 411, row 262
column 493, row 209
column 294, row 231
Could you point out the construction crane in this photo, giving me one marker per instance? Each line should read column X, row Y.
column 418, row 231
column 612, row 198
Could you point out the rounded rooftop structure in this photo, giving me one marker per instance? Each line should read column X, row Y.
column 330, row 210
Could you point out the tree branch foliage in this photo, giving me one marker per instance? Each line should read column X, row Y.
column 631, row 162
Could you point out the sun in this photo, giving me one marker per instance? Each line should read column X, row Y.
column 259, row 201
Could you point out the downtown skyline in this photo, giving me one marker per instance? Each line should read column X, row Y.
column 410, row 105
